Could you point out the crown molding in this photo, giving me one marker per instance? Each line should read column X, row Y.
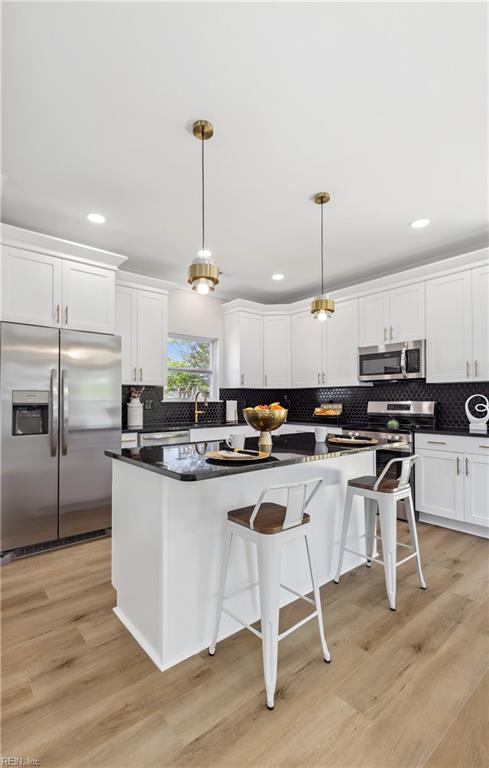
column 469, row 260
column 28, row 240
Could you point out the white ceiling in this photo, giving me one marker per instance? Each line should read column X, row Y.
column 382, row 105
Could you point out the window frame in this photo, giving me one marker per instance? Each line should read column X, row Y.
column 212, row 371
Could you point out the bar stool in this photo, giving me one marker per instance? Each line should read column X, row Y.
column 383, row 493
column 270, row 526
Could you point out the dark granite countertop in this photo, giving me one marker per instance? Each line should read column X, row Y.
column 174, row 426
column 187, row 461
column 450, row 431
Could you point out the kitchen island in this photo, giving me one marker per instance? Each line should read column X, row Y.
column 169, row 505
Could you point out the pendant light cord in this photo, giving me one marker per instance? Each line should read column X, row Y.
column 203, row 193
column 322, row 252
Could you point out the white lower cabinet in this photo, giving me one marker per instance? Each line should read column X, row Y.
column 452, row 478
column 476, row 489
column 129, row 440
column 439, row 490
column 141, row 321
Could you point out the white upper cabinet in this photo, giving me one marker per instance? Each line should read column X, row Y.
column 152, row 338
column 126, row 304
column 307, row 350
column 141, row 319
column 480, row 323
column 31, row 287
column 276, row 351
column 40, row 289
column 449, row 328
column 448, row 309
column 88, row 297
column 373, row 320
column 341, row 335
column 244, row 349
column 407, row 320
column 392, row 316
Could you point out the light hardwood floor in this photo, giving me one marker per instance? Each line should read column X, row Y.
column 408, row 689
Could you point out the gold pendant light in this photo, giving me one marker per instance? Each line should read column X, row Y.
column 203, row 274
column 322, row 307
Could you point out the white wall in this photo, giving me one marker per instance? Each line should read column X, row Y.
column 193, row 315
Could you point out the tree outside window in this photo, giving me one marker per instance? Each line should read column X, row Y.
column 191, row 368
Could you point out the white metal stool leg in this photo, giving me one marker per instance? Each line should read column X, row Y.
column 408, row 501
column 226, row 551
column 317, row 597
column 388, row 527
column 370, row 527
column 344, row 530
column 269, row 559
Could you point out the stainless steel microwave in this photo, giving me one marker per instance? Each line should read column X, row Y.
column 404, row 360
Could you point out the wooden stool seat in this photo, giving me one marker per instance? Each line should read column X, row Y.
column 388, row 485
column 269, row 519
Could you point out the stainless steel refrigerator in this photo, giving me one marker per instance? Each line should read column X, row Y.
column 60, row 409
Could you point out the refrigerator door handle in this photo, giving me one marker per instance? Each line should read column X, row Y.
column 64, row 411
column 53, row 412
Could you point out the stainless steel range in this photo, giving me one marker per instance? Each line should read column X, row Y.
column 394, row 422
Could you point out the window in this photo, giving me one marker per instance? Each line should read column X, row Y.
column 191, row 368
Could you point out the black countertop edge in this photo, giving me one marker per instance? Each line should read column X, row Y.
column 460, row 432
column 136, row 457
column 173, row 426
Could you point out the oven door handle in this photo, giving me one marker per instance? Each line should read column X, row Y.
column 404, row 361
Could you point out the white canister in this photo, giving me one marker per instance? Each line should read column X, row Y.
column 134, row 412
column 320, row 434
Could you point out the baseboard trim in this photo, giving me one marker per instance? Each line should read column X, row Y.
column 455, row 525
column 139, row 638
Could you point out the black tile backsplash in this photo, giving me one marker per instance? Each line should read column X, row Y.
column 156, row 412
column 301, row 402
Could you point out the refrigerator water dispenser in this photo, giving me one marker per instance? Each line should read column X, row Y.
column 30, row 412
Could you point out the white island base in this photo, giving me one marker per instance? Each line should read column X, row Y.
column 167, row 539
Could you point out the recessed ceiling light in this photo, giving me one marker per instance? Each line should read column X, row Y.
column 96, row 218
column 277, row 276
column 419, row 223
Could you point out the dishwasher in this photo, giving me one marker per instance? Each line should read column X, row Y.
column 147, row 439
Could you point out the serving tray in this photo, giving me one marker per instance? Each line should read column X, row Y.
column 352, row 440
column 234, row 456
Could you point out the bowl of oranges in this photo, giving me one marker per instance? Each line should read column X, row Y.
column 265, row 418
